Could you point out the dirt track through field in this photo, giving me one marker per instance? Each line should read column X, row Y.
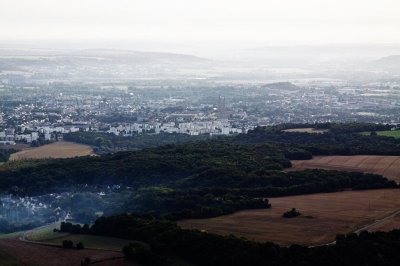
column 388, row 166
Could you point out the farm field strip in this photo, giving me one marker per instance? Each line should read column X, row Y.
column 59, row 149
column 323, row 216
column 388, row 166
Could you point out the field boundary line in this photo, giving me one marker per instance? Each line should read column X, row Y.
column 363, row 228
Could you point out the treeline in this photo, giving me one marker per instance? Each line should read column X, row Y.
column 350, row 127
column 66, row 227
column 5, row 154
column 161, row 242
column 339, row 139
column 177, row 204
column 105, row 143
column 353, row 127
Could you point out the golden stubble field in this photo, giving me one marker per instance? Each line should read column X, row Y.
column 388, row 166
column 323, row 216
column 59, row 149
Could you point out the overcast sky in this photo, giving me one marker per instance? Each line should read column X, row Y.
column 240, row 22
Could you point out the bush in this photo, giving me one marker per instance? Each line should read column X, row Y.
column 80, row 245
column 85, row 229
column 291, row 214
column 86, row 261
column 73, row 228
column 137, row 252
column 67, row 244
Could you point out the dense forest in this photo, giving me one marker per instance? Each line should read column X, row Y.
column 155, row 166
column 162, row 242
column 104, row 143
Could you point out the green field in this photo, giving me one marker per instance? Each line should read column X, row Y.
column 46, row 235
column 387, row 133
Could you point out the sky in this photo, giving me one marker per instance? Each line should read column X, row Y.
column 189, row 23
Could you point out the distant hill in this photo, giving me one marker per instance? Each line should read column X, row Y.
column 280, row 86
column 98, row 54
column 392, row 61
column 98, row 64
column 138, row 55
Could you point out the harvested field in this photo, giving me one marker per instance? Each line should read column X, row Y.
column 59, row 149
column 306, row 130
column 388, row 166
column 323, row 216
column 33, row 254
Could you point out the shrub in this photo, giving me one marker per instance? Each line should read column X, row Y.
column 291, row 214
column 86, row 261
column 137, row 252
column 80, row 245
column 67, row 244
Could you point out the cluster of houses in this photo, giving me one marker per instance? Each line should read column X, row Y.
column 217, row 127
column 29, row 135
column 10, row 136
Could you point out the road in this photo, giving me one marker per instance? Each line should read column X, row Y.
column 364, row 228
column 376, row 222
